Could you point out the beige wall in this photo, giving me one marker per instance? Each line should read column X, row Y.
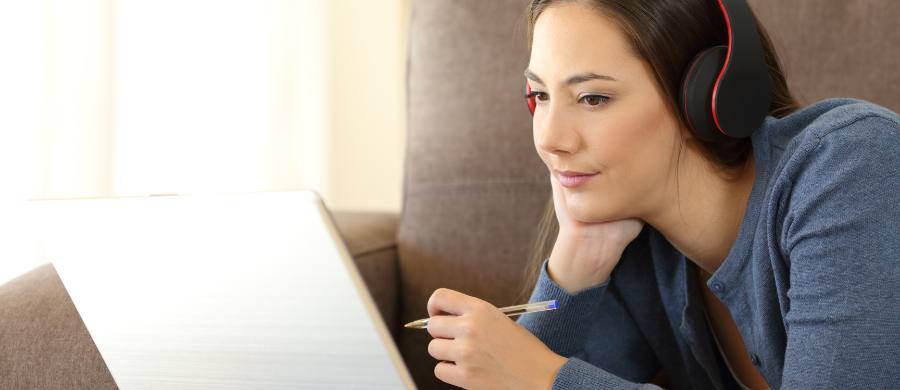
column 316, row 99
column 367, row 110
column 281, row 95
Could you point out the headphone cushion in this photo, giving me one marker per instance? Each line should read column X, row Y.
column 697, row 89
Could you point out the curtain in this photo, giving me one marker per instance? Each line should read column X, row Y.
column 130, row 97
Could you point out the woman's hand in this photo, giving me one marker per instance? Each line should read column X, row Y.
column 481, row 348
column 586, row 253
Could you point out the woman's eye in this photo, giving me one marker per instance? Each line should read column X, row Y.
column 594, row 100
column 537, row 95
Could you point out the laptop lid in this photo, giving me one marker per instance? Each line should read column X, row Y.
column 219, row 291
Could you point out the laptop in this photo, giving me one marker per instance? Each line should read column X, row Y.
column 235, row 291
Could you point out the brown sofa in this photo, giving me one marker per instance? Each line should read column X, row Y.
column 474, row 188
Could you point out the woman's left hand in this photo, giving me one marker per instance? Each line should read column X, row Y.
column 481, row 348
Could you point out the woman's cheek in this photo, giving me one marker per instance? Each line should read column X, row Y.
column 544, row 159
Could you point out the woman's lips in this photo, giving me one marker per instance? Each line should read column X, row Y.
column 572, row 180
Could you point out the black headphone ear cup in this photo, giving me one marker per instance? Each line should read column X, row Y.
column 697, row 89
column 529, row 99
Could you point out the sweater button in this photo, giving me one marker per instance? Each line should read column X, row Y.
column 755, row 360
column 718, row 287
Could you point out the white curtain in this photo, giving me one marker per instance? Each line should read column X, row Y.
column 133, row 97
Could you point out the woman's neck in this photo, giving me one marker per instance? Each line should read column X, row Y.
column 703, row 220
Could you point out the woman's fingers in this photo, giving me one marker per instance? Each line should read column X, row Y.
column 449, row 372
column 445, row 310
column 442, row 349
column 448, row 352
column 447, row 301
column 443, row 327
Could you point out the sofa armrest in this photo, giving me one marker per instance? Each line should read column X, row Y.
column 371, row 238
column 43, row 342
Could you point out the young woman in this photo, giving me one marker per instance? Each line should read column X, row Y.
column 766, row 261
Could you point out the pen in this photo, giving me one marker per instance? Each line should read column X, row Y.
column 509, row 311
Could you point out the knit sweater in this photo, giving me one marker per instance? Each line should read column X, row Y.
column 812, row 280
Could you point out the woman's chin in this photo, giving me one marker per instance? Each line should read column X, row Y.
column 595, row 213
column 588, row 214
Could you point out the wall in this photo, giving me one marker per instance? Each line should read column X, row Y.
column 368, row 39
column 129, row 97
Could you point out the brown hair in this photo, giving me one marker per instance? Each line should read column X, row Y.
column 667, row 34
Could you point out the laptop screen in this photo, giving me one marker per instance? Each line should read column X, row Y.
column 219, row 291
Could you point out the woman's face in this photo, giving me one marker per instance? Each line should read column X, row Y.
column 599, row 109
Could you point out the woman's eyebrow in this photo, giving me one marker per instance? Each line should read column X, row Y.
column 574, row 79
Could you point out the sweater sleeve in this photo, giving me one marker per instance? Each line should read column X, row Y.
column 623, row 358
column 841, row 238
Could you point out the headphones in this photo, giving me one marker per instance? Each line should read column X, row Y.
column 726, row 91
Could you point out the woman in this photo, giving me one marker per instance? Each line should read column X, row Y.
column 768, row 261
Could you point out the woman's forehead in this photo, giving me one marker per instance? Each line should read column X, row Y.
column 572, row 37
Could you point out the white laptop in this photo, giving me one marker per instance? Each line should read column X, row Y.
column 240, row 291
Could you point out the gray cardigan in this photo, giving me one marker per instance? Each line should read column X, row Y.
column 812, row 281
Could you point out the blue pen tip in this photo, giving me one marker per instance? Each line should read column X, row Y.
column 552, row 304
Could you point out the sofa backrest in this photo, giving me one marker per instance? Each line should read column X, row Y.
column 473, row 185
column 845, row 48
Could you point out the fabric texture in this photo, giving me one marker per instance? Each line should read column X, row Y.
column 811, row 281
column 836, row 48
column 474, row 188
column 371, row 238
column 43, row 343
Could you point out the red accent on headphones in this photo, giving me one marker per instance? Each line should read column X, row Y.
column 722, row 72
column 726, row 91
column 532, row 104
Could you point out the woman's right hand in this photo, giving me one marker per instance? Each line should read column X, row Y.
column 586, row 253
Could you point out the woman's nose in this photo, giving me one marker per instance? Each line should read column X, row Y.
column 553, row 133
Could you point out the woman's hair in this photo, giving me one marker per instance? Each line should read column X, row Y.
column 666, row 34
